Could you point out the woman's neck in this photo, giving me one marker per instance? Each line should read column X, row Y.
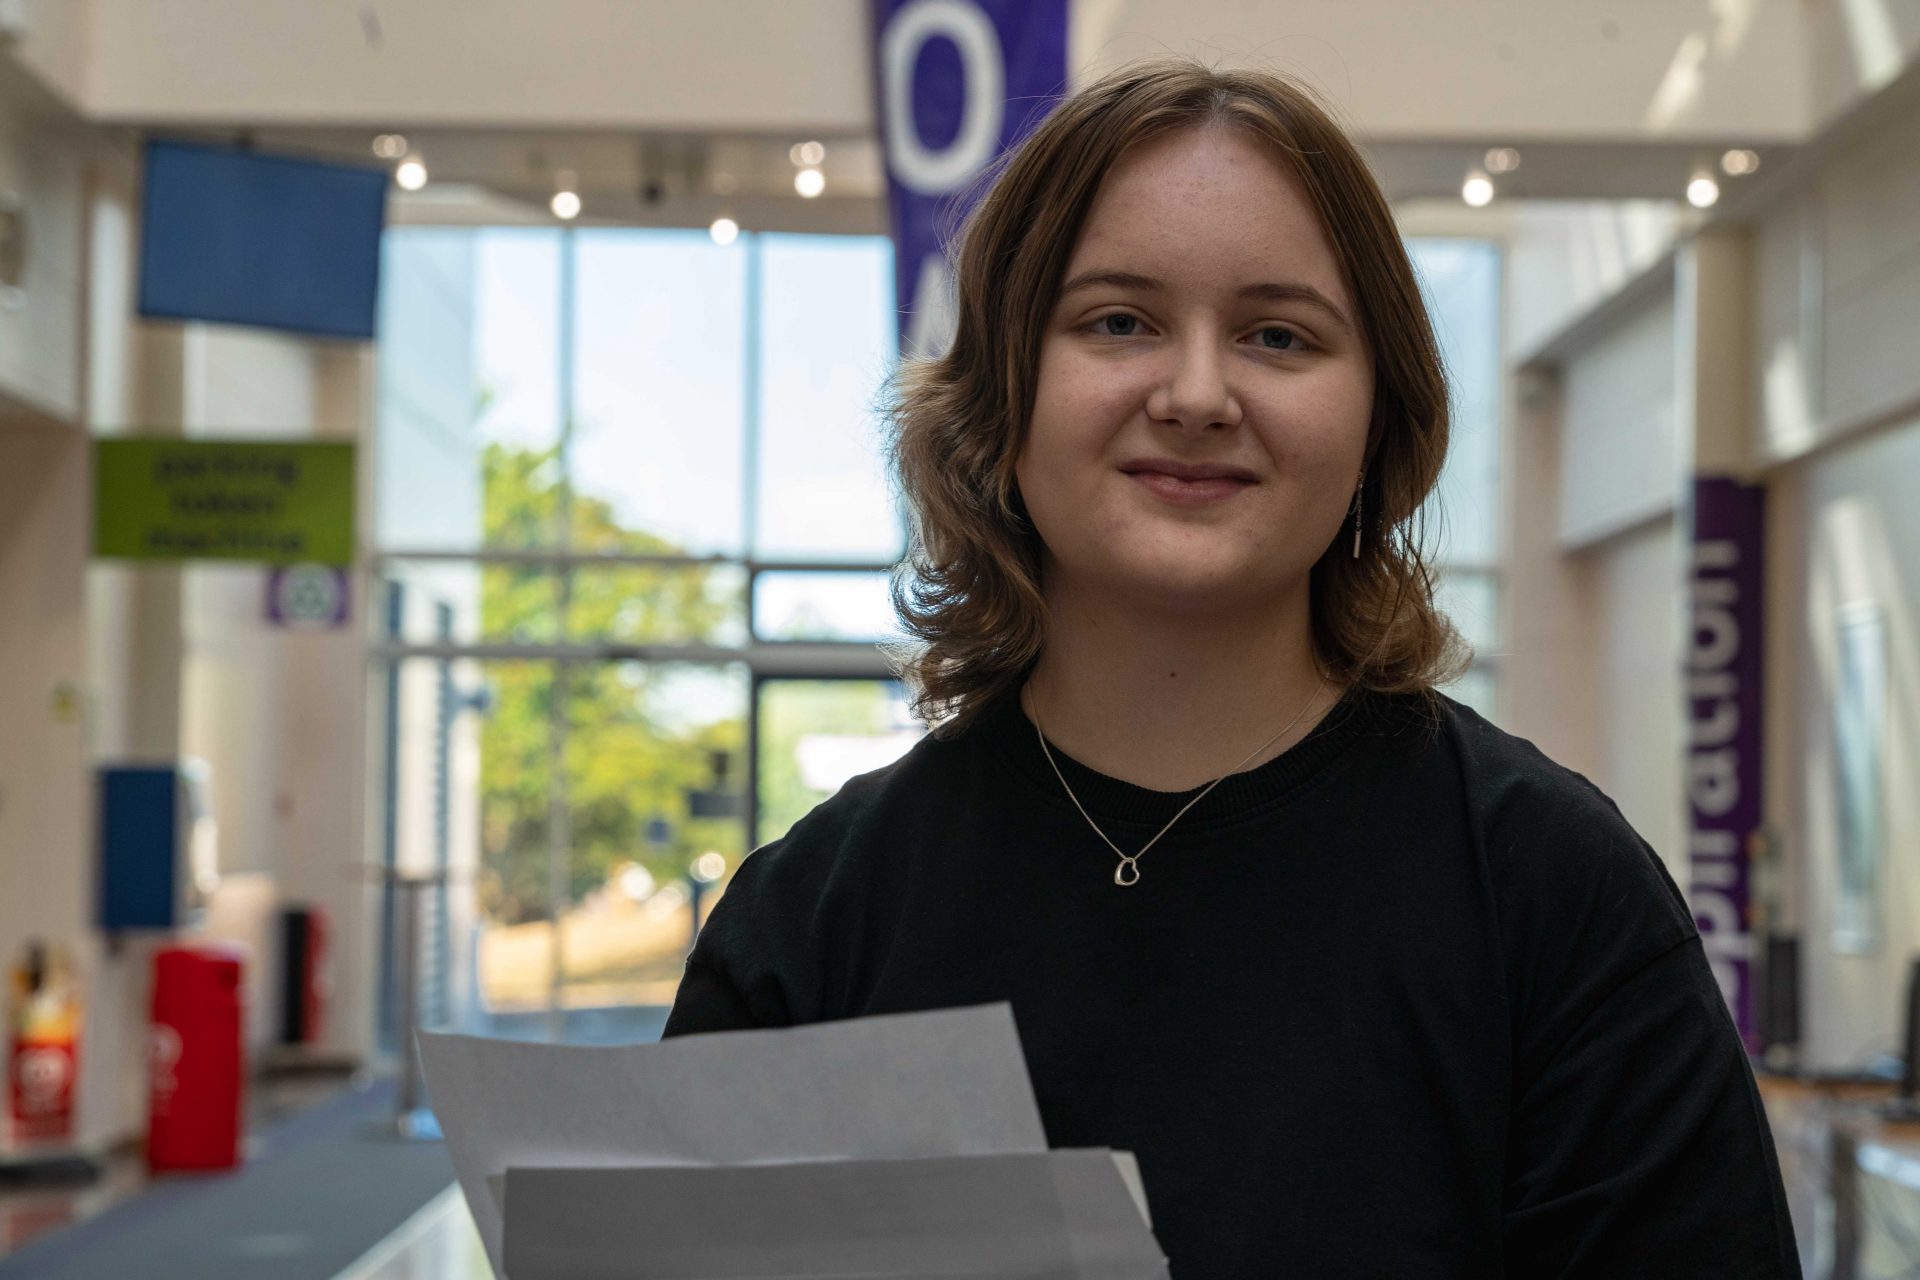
column 1170, row 702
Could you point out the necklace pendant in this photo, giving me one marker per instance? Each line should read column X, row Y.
column 1128, row 872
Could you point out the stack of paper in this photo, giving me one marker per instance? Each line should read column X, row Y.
column 907, row 1145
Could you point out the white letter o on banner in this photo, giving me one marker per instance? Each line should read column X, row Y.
column 927, row 172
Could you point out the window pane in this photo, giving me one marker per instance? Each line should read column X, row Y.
column 517, row 335
column 455, row 602
column 468, row 388
column 823, row 606
column 816, row 734
column 1461, row 282
column 655, row 770
column 645, row 604
column 466, row 791
column 826, row 342
column 427, row 481
column 470, row 789
column 658, row 385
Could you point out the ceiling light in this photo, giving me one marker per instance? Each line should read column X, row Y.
column 390, row 146
column 412, row 174
column 566, row 201
column 1477, row 190
column 809, row 182
column 1740, row 161
column 1502, row 160
column 1702, row 191
column 724, row 231
column 806, row 154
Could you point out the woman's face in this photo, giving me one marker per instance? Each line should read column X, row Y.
column 1203, row 319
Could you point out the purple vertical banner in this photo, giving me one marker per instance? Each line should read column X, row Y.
column 959, row 81
column 1724, row 707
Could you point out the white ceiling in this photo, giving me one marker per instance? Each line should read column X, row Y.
column 700, row 101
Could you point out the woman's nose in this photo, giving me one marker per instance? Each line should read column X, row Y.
column 1193, row 390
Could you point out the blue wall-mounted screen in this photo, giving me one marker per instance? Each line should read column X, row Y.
column 245, row 238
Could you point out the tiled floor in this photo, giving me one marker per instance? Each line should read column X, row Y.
column 27, row 1210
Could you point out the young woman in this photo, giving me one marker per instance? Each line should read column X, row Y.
column 1370, row 987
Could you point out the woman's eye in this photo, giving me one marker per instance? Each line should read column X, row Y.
column 1127, row 324
column 1292, row 341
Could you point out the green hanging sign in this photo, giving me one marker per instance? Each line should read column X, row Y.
column 270, row 502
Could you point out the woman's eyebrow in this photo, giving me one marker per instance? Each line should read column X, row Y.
column 1289, row 291
column 1113, row 279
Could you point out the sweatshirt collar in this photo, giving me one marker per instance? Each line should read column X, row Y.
column 1008, row 733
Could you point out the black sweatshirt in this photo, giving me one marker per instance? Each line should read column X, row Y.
column 1408, row 1000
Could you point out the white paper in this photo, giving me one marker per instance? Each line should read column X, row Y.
column 1065, row 1215
column 950, row 1082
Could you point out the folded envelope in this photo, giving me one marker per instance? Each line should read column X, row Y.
column 946, row 1083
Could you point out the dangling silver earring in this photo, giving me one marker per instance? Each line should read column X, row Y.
column 1359, row 496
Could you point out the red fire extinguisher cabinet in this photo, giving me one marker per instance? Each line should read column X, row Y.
column 196, row 1060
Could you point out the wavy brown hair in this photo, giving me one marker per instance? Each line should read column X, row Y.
column 969, row 590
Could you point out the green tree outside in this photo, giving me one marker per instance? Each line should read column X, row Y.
column 625, row 764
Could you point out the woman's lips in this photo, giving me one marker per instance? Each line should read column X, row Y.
column 1189, row 492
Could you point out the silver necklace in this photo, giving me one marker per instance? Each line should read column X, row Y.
column 1128, row 872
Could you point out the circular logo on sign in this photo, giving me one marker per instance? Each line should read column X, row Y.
column 42, row 1074
column 308, row 596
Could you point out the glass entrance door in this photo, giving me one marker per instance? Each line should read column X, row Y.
column 571, row 892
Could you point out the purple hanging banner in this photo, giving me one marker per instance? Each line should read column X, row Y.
column 1724, row 705
column 959, row 81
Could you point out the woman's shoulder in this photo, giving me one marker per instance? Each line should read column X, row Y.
column 1509, row 780
column 1559, row 852
column 1505, row 782
column 833, row 838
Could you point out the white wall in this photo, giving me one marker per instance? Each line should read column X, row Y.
column 46, row 829
column 1547, row 693
column 1836, row 385
column 1839, row 298
column 1853, row 532
column 1618, row 459
column 279, row 715
column 52, row 642
column 42, row 160
column 1636, row 579
column 1565, row 257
